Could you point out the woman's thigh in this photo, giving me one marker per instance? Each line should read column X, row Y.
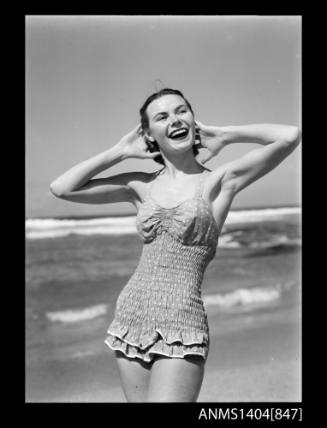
column 176, row 379
column 135, row 376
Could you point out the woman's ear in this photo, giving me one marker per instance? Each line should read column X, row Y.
column 148, row 137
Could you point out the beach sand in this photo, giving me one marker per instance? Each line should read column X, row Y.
column 262, row 362
column 252, row 358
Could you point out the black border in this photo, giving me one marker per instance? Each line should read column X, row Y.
column 155, row 413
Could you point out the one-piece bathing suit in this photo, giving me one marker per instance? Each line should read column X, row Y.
column 160, row 309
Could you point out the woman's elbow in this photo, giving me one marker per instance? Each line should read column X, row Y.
column 294, row 135
column 56, row 190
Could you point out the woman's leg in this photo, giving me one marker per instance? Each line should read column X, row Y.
column 176, row 379
column 135, row 376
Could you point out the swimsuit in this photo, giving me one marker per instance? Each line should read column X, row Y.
column 160, row 309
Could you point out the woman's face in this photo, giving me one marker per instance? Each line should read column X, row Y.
column 171, row 123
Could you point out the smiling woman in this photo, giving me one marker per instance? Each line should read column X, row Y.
column 182, row 108
column 160, row 331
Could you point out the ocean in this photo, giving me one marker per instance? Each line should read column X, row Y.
column 76, row 268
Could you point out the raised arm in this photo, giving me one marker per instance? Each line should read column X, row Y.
column 278, row 141
column 78, row 184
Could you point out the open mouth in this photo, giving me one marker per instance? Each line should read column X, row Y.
column 179, row 134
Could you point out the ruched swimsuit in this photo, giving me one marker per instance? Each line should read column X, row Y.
column 160, row 309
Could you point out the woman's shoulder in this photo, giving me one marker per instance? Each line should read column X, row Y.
column 139, row 183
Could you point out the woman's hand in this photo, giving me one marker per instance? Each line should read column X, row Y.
column 133, row 145
column 212, row 139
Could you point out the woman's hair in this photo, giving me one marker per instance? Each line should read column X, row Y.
column 153, row 146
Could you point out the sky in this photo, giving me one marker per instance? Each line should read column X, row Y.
column 87, row 77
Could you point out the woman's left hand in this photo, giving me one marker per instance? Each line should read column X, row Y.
column 212, row 139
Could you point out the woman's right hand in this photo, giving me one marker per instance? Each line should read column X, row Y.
column 133, row 145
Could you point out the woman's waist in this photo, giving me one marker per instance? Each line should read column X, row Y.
column 157, row 283
column 162, row 273
column 167, row 266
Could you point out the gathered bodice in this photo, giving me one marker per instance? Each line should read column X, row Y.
column 190, row 222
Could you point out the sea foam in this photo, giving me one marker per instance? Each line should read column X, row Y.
column 247, row 297
column 243, row 297
column 77, row 315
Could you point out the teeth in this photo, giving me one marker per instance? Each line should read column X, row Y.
column 178, row 133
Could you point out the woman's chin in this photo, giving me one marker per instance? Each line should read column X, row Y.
column 184, row 144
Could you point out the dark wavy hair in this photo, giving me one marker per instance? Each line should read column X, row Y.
column 153, row 145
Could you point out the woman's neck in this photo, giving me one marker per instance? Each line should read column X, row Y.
column 181, row 166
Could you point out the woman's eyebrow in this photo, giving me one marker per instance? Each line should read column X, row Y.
column 164, row 112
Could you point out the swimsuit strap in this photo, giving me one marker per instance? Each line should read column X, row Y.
column 199, row 189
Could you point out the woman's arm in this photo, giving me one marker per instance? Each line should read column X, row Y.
column 77, row 185
column 80, row 174
column 279, row 141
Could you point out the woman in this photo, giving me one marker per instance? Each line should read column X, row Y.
column 160, row 331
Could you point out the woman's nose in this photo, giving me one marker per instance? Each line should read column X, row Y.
column 174, row 120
